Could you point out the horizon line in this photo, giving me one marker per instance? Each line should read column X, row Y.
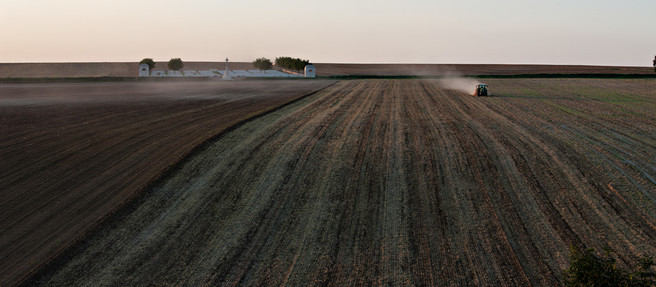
column 341, row 63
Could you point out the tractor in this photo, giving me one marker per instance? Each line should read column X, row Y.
column 481, row 90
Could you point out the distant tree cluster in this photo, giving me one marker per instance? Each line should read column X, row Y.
column 588, row 269
column 176, row 64
column 291, row 63
column 262, row 63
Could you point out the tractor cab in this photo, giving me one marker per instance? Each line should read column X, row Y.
column 481, row 90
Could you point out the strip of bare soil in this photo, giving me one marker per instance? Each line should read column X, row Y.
column 127, row 69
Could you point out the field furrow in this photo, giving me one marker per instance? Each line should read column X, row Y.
column 393, row 182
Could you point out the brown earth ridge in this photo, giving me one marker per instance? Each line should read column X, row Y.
column 130, row 69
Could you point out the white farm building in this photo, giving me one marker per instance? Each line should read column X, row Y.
column 144, row 71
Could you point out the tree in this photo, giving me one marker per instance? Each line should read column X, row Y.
column 654, row 62
column 283, row 62
column 176, row 64
column 291, row 63
column 149, row 62
column 300, row 64
column 588, row 269
column 262, row 64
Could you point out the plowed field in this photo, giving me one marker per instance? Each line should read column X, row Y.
column 401, row 182
column 46, row 70
column 72, row 153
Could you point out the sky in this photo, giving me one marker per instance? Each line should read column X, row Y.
column 586, row 32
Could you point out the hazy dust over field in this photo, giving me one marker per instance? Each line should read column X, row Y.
column 43, row 94
column 456, row 81
column 401, row 182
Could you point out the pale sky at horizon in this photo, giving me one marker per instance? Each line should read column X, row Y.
column 602, row 32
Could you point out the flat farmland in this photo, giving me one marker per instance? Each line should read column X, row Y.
column 396, row 182
column 470, row 69
column 73, row 153
column 127, row 69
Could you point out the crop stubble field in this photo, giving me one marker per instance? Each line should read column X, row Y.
column 73, row 153
column 397, row 181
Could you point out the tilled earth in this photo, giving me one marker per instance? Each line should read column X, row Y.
column 72, row 153
column 131, row 69
column 399, row 182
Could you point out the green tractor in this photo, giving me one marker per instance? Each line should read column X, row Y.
column 481, row 90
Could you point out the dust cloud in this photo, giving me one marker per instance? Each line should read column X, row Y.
column 455, row 81
column 48, row 94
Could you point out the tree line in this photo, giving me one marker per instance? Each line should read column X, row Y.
column 291, row 63
column 174, row 64
column 261, row 63
column 282, row 62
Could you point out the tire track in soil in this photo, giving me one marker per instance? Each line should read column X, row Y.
column 588, row 130
column 470, row 148
column 602, row 215
column 368, row 182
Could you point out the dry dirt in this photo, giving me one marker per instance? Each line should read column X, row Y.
column 126, row 69
column 472, row 69
column 73, row 153
column 397, row 182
